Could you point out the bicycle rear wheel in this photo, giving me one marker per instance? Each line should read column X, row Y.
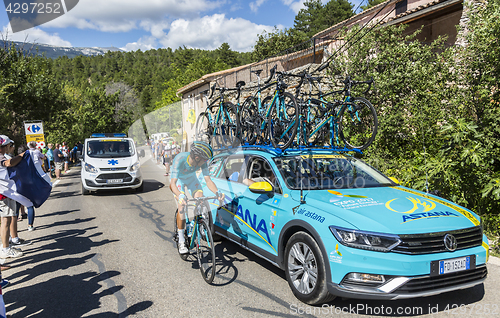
column 205, row 250
column 247, row 122
column 283, row 121
column 358, row 123
column 204, row 129
column 229, row 126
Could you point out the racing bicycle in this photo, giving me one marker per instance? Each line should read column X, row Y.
column 275, row 118
column 198, row 235
column 352, row 119
column 220, row 121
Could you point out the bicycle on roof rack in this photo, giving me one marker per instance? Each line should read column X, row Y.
column 272, row 119
column 219, row 123
column 321, row 122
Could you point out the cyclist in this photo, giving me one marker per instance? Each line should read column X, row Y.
column 183, row 175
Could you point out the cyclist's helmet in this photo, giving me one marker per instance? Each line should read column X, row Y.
column 202, row 149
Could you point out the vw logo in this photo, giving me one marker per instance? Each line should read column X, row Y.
column 450, row 242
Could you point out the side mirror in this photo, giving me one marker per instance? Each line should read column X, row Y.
column 141, row 153
column 394, row 180
column 263, row 187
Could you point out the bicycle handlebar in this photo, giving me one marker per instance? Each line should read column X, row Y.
column 212, row 90
column 351, row 83
column 273, row 70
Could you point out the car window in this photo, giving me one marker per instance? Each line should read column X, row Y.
column 233, row 168
column 259, row 168
column 329, row 172
column 214, row 166
column 109, row 148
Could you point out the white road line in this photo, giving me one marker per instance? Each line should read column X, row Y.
column 55, row 183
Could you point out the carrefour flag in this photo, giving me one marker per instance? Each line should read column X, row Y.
column 26, row 183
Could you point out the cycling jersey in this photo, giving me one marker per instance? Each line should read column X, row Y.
column 186, row 173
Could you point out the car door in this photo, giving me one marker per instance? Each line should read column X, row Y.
column 259, row 212
column 228, row 182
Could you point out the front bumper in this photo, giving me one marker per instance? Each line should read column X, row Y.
column 405, row 276
column 418, row 286
column 128, row 180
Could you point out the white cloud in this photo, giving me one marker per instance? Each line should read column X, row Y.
column 145, row 43
column 254, row 6
column 210, row 32
column 125, row 15
column 34, row 35
column 207, row 32
column 294, row 5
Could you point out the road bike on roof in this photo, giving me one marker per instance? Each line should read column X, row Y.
column 272, row 120
column 219, row 124
column 198, row 235
column 352, row 120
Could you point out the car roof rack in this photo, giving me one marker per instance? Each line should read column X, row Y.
column 288, row 151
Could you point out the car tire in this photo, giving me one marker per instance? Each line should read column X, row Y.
column 85, row 191
column 299, row 247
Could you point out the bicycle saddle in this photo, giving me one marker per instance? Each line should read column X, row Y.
column 240, row 84
column 257, row 72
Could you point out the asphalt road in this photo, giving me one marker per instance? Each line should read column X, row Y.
column 112, row 255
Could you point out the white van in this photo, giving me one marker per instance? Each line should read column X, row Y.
column 110, row 161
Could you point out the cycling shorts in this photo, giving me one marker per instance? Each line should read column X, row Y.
column 192, row 184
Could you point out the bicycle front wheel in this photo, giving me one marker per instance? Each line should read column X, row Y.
column 358, row 123
column 205, row 250
column 283, row 121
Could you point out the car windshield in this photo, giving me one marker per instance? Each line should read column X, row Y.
column 109, row 148
column 317, row 172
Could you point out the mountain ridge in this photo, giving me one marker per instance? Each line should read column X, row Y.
column 53, row 52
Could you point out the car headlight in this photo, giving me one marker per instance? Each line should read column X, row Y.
column 366, row 240
column 90, row 168
column 135, row 166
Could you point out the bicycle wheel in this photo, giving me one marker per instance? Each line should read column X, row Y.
column 247, row 121
column 283, row 121
column 204, row 129
column 228, row 126
column 205, row 250
column 176, row 237
column 357, row 123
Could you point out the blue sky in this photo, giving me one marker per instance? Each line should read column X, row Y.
column 148, row 24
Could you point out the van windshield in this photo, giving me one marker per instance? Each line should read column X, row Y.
column 110, row 148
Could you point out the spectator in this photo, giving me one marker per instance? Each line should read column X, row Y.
column 20, row 209
column 58, row 161
column 8, row 205
column 50, row 158
column 65, row 153
column 37, row 160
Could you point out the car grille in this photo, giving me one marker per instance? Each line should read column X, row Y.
column 434, row 242
column 113, row 169
column 102, row 178
column 426, row 283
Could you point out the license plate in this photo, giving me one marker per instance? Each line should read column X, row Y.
column 454, row 265
column 114, row 181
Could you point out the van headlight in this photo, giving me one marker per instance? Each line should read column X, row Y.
column 90, row 168
column 366, row 240
column 135, row 166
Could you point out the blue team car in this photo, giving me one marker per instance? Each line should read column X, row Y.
column 339, row 227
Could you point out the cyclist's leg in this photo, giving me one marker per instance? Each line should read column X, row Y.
column 181, row 220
